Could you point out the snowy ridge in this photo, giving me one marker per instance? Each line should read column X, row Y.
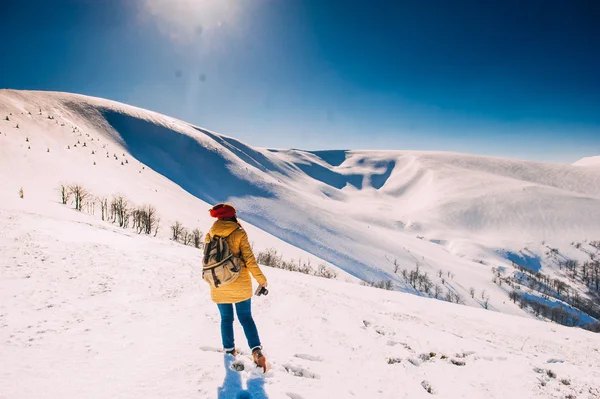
column 589, row 161
column 363, row 211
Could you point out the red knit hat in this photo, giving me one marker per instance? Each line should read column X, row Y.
column 222, row 211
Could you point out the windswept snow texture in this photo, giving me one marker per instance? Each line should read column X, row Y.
column 363, row 211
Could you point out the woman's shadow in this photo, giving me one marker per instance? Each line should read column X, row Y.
column 232, row 385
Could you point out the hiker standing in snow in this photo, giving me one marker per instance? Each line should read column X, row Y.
column 227, row 269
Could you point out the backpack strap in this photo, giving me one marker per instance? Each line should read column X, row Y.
column 220, row 248
column 207, row 250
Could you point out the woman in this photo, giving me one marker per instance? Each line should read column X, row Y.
column 238, row 292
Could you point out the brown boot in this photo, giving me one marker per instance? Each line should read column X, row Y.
column 259, row 359
column 232, row 352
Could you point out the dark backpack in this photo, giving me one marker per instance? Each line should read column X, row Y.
column 219, row 266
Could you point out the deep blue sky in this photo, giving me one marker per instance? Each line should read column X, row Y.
column 518, row 78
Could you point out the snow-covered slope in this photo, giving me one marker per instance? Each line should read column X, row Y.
column 589, row 161
column 371, row 213
column 70, row 142
column 88, row 310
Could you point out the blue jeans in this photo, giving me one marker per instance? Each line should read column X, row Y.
column 244, row 312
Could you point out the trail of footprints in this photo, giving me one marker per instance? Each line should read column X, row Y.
column 242, row 364
column 459, row 359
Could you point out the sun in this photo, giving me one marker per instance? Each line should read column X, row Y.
column 188, row 20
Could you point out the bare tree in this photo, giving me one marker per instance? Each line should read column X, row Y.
column 80, row 195
column 103, row 207
column 21, row 193
column 138, row 219
column 186, row 237
column 437, row 290
column 150, row 218
column 157, row 226
column 176, row 230
column 65, row 193
column 197, row 238
column 120, row 211
column 472, row 292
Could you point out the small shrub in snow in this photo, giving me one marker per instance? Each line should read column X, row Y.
column 486, row 302
column 21, row 193
column 270, row 257
column 550, row 373
column 394, row 360
column 382, row 284
column 454, row 297
column 325, row 272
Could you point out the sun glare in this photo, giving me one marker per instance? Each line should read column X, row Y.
column 187, row 20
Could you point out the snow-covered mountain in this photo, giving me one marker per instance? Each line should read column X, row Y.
column 88, row 309
column 460, row 218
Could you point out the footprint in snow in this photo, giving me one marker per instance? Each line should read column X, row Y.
column 210, row 349
column 458, row 362
column 311, row 358
column 300, row 372
column 238, row 365
column 427, row 386
column 463, row 355
column 292, row 395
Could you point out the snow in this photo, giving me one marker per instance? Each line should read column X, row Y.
column 54, row 157
column 90, row 310
column 361, row 211
column 589, row 162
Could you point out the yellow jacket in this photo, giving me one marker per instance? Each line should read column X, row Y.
column 237, row 239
